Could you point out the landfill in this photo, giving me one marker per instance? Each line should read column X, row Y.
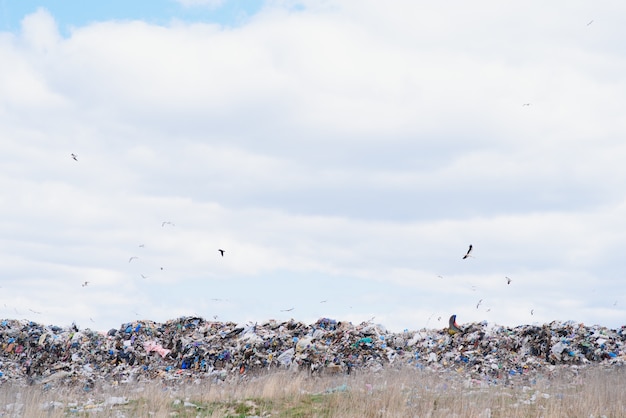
column 192, row 348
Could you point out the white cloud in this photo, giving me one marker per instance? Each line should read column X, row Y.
column 40, row 32
column 347, row 151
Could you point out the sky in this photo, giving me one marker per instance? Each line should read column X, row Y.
column 343, row 153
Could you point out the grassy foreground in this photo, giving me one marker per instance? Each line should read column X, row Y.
column 567, row 392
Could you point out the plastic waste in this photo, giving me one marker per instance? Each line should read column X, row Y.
column 191, row 346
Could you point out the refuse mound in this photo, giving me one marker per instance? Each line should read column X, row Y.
column 194, row 348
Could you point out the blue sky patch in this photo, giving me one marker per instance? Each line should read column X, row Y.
column 70, row 14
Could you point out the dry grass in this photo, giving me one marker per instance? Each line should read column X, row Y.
column 593, row 392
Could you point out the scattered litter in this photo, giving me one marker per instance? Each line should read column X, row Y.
column 340, row 388
column 116, row 400
column 192, row 347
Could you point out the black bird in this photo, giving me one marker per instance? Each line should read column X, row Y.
column 508, row 281
column 468, row 252
column 221, row 252
column 74, row 156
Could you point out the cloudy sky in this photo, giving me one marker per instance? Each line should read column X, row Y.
column 343, row 153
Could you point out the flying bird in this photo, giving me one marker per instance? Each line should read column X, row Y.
column 532, row 311
column 85, row 284
column 468, row 252
column 526, row 104
column 74, row 156
column 286, row 310
column 144, row 276
column 590, row 22
column 221, row 252
column 166, row 223
column 508, row 281
column 131, row 259
column 478, row 304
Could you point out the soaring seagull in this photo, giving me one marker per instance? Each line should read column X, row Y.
column 221, row 252
column 468, row 252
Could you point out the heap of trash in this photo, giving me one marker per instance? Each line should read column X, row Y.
column 194, row 348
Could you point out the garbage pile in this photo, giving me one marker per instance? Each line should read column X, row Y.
column 194, row 348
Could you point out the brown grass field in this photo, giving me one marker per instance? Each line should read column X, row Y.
column 566, row 392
